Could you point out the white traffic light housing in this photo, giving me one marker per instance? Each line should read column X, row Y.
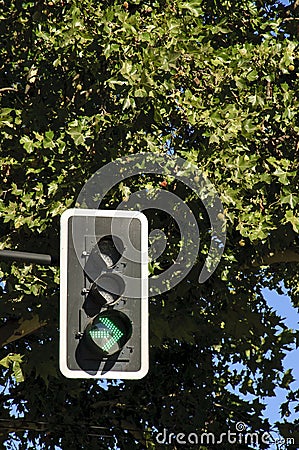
column 104, row 294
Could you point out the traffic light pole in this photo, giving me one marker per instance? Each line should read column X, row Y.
column 37, row 258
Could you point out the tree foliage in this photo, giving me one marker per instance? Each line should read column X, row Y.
column 216, row 83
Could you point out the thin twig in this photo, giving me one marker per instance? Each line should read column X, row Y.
column 5, row 89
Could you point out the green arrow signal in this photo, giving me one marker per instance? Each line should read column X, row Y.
column 111, row 332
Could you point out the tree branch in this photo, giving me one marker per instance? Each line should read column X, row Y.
column 19, row 424
column 124, row 424
column 284, row 256
column 14, row 329
column 6, row 89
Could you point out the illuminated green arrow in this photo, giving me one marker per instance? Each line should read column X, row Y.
column 111, row 332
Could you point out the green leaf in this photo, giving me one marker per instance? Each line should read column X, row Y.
column 77, row 135
column 14, row 360
column 252, row 75
column 28, row 144
column 287, row 379
column 293, row 220
column 290, row 199
column 193, row 7
column 18, row 374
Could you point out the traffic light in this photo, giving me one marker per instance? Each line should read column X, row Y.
column 103, row 294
